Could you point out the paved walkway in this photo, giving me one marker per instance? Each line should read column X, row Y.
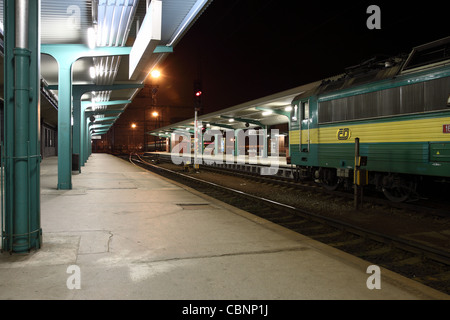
column 130, row 234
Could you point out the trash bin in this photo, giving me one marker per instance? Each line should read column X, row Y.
column 75, row 162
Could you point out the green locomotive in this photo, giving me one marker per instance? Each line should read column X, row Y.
column 399, row 109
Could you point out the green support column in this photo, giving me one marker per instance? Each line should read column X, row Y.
column 82, row 134
column 66, row 55
column 76, row 129
column 78, row 125
column 87, row 104
column 236, row 142
column 85, row 152
column 85, row 129
column 89, row 143
column 264, row 153
column 21, row 231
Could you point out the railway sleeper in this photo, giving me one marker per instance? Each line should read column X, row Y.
column 347, row 243
column 438, row 277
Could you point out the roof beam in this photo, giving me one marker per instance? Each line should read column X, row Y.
column 66, row 55
column 252, row 121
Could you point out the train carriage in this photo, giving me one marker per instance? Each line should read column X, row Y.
column 398, row 108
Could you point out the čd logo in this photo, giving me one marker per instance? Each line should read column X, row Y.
column 343, row 134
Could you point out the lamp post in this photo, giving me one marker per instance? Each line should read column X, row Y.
column 197, row 108
column 155, row 115
column 133, row 126
column 155, row 74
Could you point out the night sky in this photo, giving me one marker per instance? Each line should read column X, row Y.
column 247, row 49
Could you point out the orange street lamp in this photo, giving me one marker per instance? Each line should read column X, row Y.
column 155, row 74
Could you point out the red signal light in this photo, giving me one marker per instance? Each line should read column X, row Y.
column 198, row 93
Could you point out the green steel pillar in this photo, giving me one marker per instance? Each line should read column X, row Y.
column 78, row 110
column 86, row 126
column 84, row 137
column 66, row 55
column 76, row 129
column 89, row 143
column 21, row 231
column 237, row 142
column 264, row 152
column 83, row 133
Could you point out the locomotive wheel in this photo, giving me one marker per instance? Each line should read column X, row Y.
column 398, row 189
column 330, row 185
column 296, row 175
column 329, row 180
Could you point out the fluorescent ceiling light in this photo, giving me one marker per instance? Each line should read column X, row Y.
column 92, row 38
column 92, row 72
column 267, row 113
column 155, row 74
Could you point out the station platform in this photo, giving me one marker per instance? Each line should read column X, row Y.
column 135, row 235
column 271, row 165
column 278, row 161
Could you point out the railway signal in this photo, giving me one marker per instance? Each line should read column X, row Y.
column 198, row 95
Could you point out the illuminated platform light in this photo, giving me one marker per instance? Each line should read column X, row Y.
column 92, row 72
column 92, row 38
column 155, row 74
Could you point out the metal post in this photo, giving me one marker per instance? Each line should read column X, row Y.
column 66, row 55
column 196, row 165
column 356, row 171
column 83, row 128
column 76, row 133
column 265, row 152
column 22, row 192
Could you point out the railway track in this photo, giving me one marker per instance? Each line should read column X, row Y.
column 426, row 264
column 423, row 205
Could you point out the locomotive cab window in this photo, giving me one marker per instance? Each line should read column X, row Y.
column 294, row 113
column 304, row 110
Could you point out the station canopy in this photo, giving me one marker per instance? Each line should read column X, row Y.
column 116, row 23
column 267, row 111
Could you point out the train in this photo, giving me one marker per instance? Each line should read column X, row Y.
column 397, row 107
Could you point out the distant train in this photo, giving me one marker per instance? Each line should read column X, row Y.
column 399, row 108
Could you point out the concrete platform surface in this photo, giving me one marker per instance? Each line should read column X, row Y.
column 124, row 233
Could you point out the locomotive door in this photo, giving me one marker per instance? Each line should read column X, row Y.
column 304, row 116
